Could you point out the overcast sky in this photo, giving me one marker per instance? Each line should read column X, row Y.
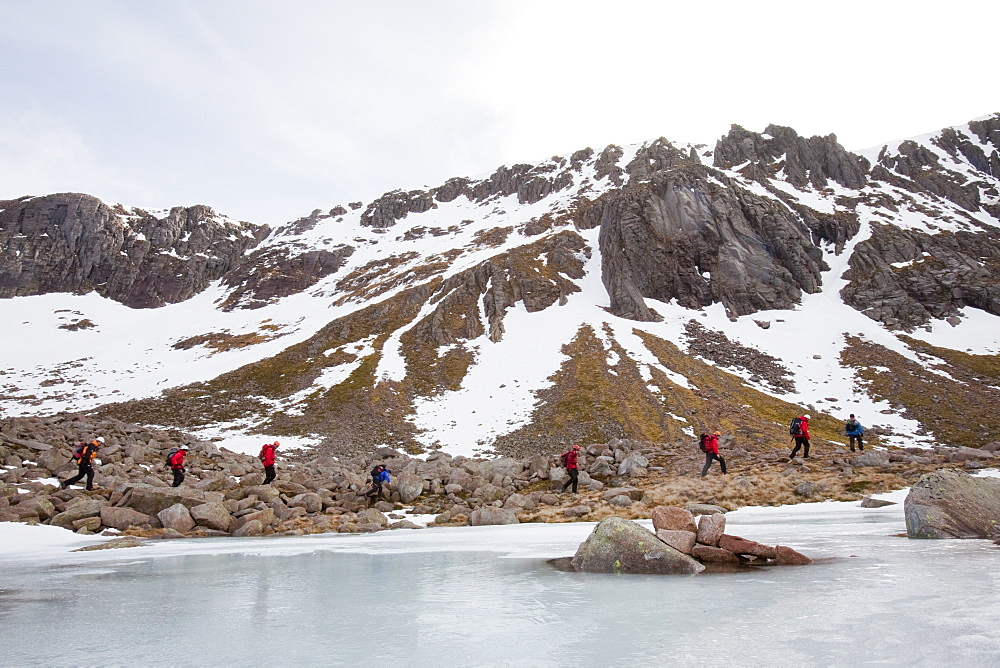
column 268, row 110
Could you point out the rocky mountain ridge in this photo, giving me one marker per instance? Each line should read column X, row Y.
column 426, row 288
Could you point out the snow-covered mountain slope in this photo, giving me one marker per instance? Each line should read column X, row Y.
column 648, row 292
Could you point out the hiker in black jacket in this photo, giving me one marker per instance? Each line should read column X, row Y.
column 85, row 461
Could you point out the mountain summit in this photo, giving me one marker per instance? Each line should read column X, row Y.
column 647, row 292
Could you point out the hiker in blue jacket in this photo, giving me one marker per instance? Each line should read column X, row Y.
column 854, row 432
column 380, row 474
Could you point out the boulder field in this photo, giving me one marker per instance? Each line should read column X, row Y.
column 223, row 492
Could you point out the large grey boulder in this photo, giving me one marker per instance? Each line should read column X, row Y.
column 151, row 500
column 871, row 458
column 952, row 504
column 633, row 465
column 78, row 511
column 56, row 460
column 212, row 515
column 310, row 501
column 122, row 518
column 38, row 506
column 538, row 467
column 251, row 528
column 409, row 486
column 490, row 515
column 372, row 516
column 618, row 545
column 176, row 517
column 631, row 492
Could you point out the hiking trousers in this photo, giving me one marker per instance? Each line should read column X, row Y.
column 375, row 493
column 268, row 475
column 85, row 470
column 178, row 477
column 861, row 445
column 709, row 457
column 800, row 442
column 574, row 476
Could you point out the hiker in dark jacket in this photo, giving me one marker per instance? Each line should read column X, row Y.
column 854, row 432
column 711, row 442
column 570, row 460
column 802, row 438
column 380, row 474
column 177, row 465
column 85, row 464
column 267, row 457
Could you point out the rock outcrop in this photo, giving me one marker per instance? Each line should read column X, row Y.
column 952, row 504
column 678, row 547
column 76, row 243
column 694, row 235
column 622, row 546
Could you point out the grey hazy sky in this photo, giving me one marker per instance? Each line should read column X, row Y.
column 268, row 110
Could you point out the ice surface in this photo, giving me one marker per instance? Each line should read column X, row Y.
column 487, row 596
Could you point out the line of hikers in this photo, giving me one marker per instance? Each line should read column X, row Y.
column 85, row 455
column 708, row 443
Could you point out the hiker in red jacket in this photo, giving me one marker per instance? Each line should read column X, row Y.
column 800, row 433
column 84, row 456
column 177, row 465
column 711, row 443
column 267, row 459
column 569, row 460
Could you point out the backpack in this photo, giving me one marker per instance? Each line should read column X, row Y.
column 78, row 451
column 851, row 426
column 702, row 441
column 170, row 456
column 564, row 458
column 795, row 428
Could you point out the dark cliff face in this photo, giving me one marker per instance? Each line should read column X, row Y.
column 689, row 233
column 75, row 243
column 805, row 161
column 903, row 278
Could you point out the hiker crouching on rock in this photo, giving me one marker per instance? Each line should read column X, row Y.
column 570, row 460
column 267, row 459
column 380, row 474
column 710, row 446
column 175, row 459
column 799, row 429
column 84, row 456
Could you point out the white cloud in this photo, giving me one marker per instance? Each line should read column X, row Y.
column 266, row 112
